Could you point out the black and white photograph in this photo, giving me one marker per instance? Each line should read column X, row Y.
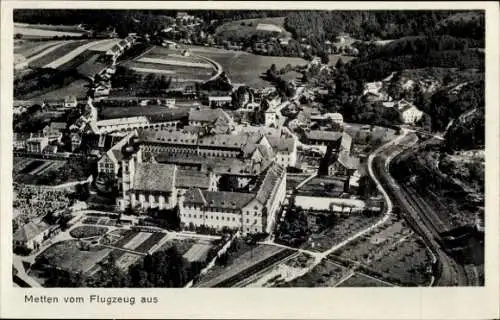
column 248, row 148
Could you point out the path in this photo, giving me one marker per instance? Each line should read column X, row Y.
column 306, row 180
column 319, row 256
column 217, row 65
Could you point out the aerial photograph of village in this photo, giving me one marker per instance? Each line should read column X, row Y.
column 245, row 148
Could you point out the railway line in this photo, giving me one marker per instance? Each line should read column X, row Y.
column 423, row 219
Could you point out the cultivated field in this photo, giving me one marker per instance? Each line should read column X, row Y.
column 54, row 53
column 199, row 251
column 77, row 88
column 393, row 253
column 28, row 48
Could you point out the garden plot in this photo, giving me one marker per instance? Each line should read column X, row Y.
column 150, row 242
column 126, row 260
column 68, row 255
column 343, row 228
column 198, row 252
column 53, row 165
column 137, row 240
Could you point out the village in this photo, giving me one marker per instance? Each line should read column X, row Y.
column 240, row 180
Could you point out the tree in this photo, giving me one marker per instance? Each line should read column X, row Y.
column 18, row 36
column 324, row 57
column 340, row 65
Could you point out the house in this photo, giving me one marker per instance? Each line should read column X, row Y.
column 37, row 145
column 345, row 165
column 31, row 235
column 408, row 113
column 70, row 102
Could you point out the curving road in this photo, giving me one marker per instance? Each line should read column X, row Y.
column 449, row 272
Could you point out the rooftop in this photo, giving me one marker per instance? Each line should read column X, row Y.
column 207, row 115
column 218, row 199
column 266, row 189
column 348, row 161
column 30, row 230
column 323, row 135
column 155, row 177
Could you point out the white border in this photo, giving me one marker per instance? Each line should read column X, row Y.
column 352, row 303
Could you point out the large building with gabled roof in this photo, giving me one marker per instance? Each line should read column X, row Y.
column 249, row 212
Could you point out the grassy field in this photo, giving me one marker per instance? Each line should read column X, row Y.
column 28, row 48
column 249, row 27
column 77, row 88
column 244, row 67
column 67, row 255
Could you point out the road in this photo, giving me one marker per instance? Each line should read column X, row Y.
column 385, row 153
column 449, row 272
